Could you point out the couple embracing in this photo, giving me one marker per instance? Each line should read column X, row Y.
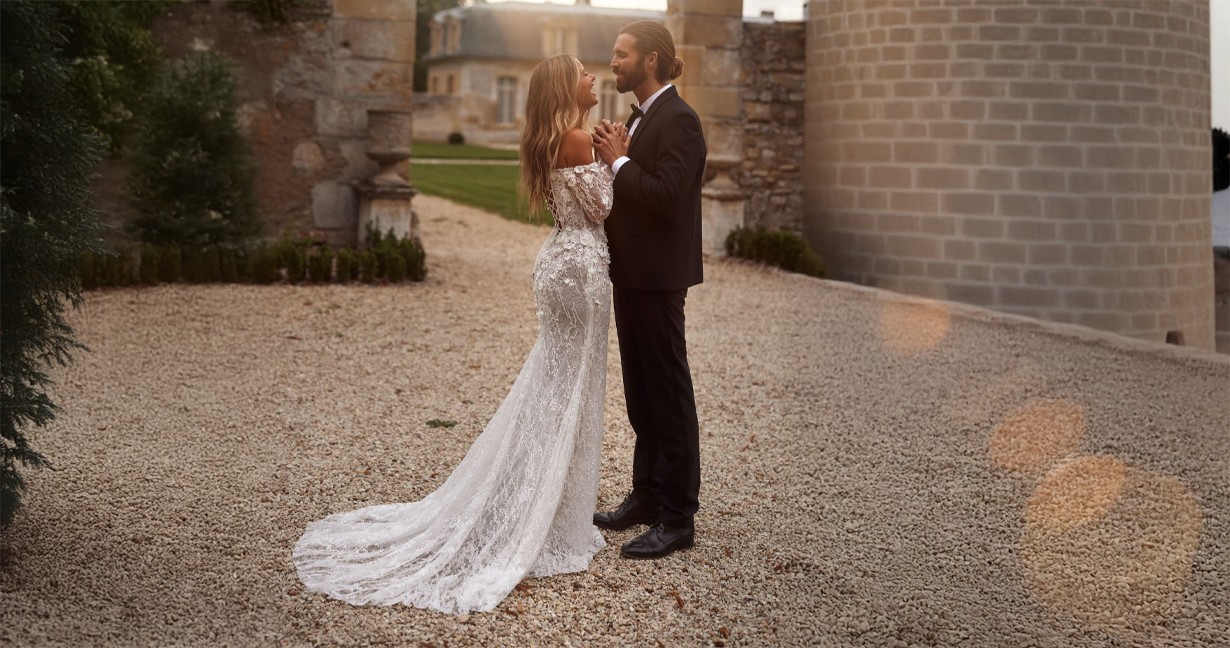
column 626, row 204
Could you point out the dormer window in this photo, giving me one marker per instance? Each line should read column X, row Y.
column 559, row 39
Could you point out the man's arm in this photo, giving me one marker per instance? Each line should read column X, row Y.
column 681, row 156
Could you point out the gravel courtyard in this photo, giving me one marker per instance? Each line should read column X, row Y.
column 877, row 470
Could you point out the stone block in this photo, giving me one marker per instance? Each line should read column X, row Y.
column 388, row 213
column 709, row 31
column 721, row 67
column 375, row 9
column 715, row 102
column 727, row 8
column 391, row 81
column 724, row 139
column 375, row 39
column 358, row 165
column 337, row 118
column 308, row 157
column 334, row 205
column 719, row 216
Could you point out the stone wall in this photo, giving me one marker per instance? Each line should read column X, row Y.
column 304, row 91
column 774, row 72
column 1044, row 159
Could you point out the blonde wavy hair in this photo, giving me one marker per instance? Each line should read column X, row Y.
column 550, row 111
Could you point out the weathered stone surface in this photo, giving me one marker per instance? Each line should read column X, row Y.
column 375, row 79
column 709, row 31
column 375, row 9
column 773, row 131
column 338, row 118
column 334, row 205
column 375, row 39
column 308, row 157
column 718, row 217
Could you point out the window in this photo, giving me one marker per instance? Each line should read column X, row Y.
column 435, row 85
column 559, row 40
column 452, row 88
column 506, row 100
column 609, row 106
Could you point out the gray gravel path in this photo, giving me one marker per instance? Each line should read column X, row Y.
column 878, row 471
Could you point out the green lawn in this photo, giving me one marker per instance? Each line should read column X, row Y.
column 489, row 187
column 438, row 150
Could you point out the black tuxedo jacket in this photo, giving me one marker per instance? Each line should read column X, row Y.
column 654, row 227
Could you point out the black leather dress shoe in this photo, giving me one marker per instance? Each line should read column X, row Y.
column 631, row 512
column 660, row 540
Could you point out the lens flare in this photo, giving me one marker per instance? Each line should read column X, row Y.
column 1110, row 545
column 1037, row 434
column 910, row 328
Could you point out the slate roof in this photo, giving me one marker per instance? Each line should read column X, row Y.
column 513, row 30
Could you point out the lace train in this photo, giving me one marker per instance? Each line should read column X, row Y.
column 521, row 501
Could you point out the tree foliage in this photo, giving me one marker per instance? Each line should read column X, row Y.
column 193, row 175
column 1221, row 160
column 113, row 58
column 47, row 153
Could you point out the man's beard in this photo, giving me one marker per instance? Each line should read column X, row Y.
column 631, row 80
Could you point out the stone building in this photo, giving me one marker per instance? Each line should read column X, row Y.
column 1041, row 158
column 482, row 55
column 1036, row 157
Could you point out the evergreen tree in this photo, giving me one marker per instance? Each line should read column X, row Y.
column 192, row 180
column 47, row 153
column 113, row 59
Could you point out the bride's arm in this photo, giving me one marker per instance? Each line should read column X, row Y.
column 594, row 191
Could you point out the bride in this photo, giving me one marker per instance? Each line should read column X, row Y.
column 521, row 502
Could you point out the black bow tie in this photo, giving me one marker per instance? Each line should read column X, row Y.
column 637, row 113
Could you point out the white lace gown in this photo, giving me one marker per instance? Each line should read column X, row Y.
column 521, row 501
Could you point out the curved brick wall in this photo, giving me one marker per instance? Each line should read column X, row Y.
column 1040, row 158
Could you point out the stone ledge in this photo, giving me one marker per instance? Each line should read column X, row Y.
column 1105, row 339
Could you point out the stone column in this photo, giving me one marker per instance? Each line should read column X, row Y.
column 372, row 68
column 384, row 200
column 709, row 37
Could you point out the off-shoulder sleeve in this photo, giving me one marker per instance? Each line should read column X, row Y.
column 591, row 186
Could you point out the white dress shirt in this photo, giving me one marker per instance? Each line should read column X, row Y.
column 636, row 122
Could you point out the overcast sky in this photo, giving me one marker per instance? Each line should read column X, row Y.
column 1219, row 42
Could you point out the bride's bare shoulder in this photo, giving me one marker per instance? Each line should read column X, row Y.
column 577, row 149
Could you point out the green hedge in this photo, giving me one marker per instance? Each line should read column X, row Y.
column 786, row 250
column 388, row 259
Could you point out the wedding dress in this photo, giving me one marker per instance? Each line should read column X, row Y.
column 522, row 500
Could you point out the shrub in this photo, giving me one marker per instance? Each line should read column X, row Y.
column 267, row 262
column 416, row 259
column 320, row 266
column 786, row 250
column 346, row 267
column 228, row 265
column 48, row 153
column 170, row 264
column 119, row 269
column 456, row 138
column 292, row 256
column 396, row 266
column 268, row 12
column 367, row 267
column 192, row 179
column 151, row 263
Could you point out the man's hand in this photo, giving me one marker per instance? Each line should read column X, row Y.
column 610, row 141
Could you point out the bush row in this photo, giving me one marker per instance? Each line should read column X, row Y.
column 786, row 250
column 387, row 260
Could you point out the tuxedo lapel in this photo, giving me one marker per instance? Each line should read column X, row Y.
column 662, row 99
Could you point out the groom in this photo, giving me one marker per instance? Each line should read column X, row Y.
column 654, row 238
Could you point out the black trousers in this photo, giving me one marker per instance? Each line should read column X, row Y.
column 661, row 402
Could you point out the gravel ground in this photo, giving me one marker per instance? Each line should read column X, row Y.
column 877, row 470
